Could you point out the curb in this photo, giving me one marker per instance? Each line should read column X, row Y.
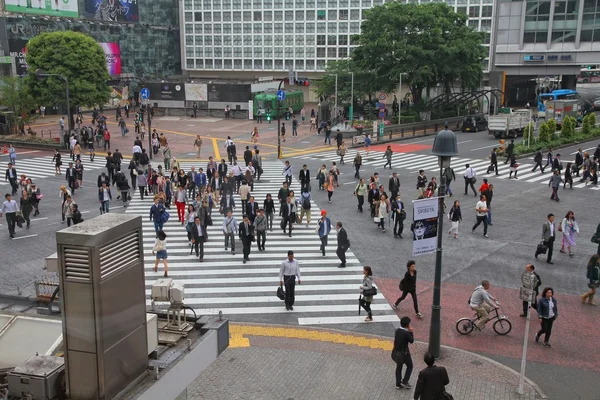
column 537, row 389
column 31, row 145
column 562, row 146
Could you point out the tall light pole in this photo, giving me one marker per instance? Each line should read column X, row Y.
column 351, row 110
column 279, row 155
column 445, row 147
column 400, row 99
column 39, row 73
column 336, row 95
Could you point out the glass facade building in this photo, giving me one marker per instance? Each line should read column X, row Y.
column 257, row 36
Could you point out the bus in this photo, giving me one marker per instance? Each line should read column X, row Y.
column 559, row 94
column 268, row 101
column 589, row 75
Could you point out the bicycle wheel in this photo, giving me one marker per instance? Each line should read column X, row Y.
column 502, row 326
column 464, row 326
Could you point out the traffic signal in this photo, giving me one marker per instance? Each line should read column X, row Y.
column 302, row 82
column 268, row 117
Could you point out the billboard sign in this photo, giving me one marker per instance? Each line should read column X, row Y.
column 196, row 92
column 112, row 10
column 112, row 52
column 425, row 216
column 167, row 91
column 57, row 8
column 18, row 50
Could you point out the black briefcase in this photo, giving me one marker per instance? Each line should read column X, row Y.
column 541, row 248
column 280, row 293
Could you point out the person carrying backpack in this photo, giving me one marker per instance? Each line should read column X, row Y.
column 304, row 205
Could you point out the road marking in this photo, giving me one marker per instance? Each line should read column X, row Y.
column 39, row 219
column 216, row 149
column 466, row 141
column 22, row 152
column 282, row 310
column 486, row 147
column 23, row 237
column 345, row 320
column 349, row 183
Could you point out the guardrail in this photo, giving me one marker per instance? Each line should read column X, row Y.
column 406, row 131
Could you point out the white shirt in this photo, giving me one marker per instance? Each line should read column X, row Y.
column 470, row 173
column 482, row 205
column 105, row 195
column 287, row 171
column 236, row 170
column 228, row 142
column 137, row 149
column 289, row 268
column 551, row 229
column 550, row 308
column 9, row 207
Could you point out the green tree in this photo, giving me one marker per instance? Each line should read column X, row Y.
column 75, row 56
column 544, row 134
column 586, row 128
column 366, row 84
column 429, row 42
column 552, row 126
column 592, row 117
column 15, row 95
column 568, row 127
column 528, row 133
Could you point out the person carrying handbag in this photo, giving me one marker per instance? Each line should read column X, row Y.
column 401, row 353
column 365, row 290
column 432, row 381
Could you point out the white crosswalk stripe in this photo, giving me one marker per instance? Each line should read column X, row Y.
column 327, row 295
column 413, row 162
column 42, row 167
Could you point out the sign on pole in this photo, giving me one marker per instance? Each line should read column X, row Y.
column 6, row 60
column 382, row 114
column 529, row 282
column 145, row 93
column 425, row 217
column 291, row 77
column 280, row 95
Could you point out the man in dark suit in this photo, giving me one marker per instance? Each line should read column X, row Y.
column 227, row 203
column 510, row 149
column 282, row 196
column 548, row 237
column 110, row 166
column 394, row 185
column 373, row 198
column 432, row 380
column 342, row 244
column 288, row 215
column 398, row 214
column 557, row 163
column 531, row 269
column 251, row 209
column 246, row 232
column 247, row 155
column 493, row 162
column 71, row 177
column 198, row 237
column 578, row 161
column 103, row 178
column 304, row 177
column 11, row 177
column 403, row 336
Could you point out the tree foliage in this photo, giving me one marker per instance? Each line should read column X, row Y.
column 528, row 133
column 366, row 84
column 568, row 127
column 15, row 95
column 75, row 56
column 552, row 126
column 429, row 42
column 586, row 128
column 544, row 133
column 592, row 119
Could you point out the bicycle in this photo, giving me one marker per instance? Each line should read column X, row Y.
column 502, row 325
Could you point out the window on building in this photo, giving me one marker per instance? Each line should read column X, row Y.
column 343, row 40
column 332, row 15
column 299, row 52
column 289, row 52
column 226, row 40
column 289, row 64
column 198, row 16
column 366, row 3
column 278, row 52
column 321, row 64
column 299, row 40
column 257, row 16
column 248, row 28
column 258, row 40
column 310, row 15
column 268, row 52
column 462, row 10
column 278, row 4
column 189, row 17
column 310, row 4
column 321, row 27
column 208, row 52
column 486, row 25
column 248, row 64
column 268, row 15
column 331, row 52
column 289, row 16
column 208, row 40
column 218, row 51
column 278, row 28
column 321, row 51
column 473, row 23
column 257, row 64
column 268, row 64
column 289, row 27
column 343, row 27
column 486, row 11
column 248, row 52
column 354, row 15
column 343, row 52
column 310, row 52
column 354, row 27
column 226, row 4
column 227, row 64
column 189, row 63
column 227, row 52
column 321, row 15
column 207, row 17
column 257, row 28
column 310, row 28
column 278, row 40
column 320, row 40
column 474, row 12
column 237, row 40
column 267, row 4
column 564, row 25
column 537, row 19
column 299, row 3
column 278, row 16
column 343, row 15
column 299, row 15
column 237, row 52
column 218, row 64
column 289, row 40
column 268, row 28
column 237, row 16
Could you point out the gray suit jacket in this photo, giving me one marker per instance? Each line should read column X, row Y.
column 546, row 234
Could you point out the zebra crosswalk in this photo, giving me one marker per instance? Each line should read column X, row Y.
column 327, row 295
column 43, row 167
column 413, row 162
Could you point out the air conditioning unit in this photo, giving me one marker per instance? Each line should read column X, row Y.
column 39, row 378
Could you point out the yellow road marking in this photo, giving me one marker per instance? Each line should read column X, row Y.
column 309, row 151
column 237, row 339
column 216, row 149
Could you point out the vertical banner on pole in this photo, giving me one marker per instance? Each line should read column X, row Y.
column 424, row 227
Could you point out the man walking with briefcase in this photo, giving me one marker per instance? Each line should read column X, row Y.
column 548, row 237
column 401, row 353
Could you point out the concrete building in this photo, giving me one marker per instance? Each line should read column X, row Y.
column 543, row 44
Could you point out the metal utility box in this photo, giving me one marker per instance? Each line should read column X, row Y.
column 101, row 270
column 160, row 289
column 38, row 378
column 558, row 109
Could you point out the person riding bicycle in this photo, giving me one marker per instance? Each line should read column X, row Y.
column 482, row 303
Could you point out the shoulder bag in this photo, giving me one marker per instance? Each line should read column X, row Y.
column 370, row 292
column 445, row 395
column 280, row 293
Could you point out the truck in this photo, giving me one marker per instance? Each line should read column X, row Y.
column 512, row 123
column 558, row 109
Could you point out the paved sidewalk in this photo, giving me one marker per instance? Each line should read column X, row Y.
column 288, row 363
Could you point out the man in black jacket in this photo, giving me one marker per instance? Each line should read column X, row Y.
column 11, row 177
column 118, row 157
column 198, row 237
column 282, row 195
column 342, row 244
column 110, row 166
column 510, row 149
column 403, row 336
column 538, row 161
column 394, row 185
column 373, row 198
column 251, row 209
column 246, row 232
column 247, row 155
column 578, row 161
column 71, row 177
column 531, row 269
column 493, row 162
column 432, row 380
column 304, row 177
column 398, row 214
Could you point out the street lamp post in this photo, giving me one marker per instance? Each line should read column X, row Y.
column 279, row 155
column 351, row 110
column 39, row 73
column 445, row 147
column 336, row 95
column 400, row 99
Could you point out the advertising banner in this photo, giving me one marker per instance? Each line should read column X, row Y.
column 425, row 217
column 196, row 92
column 18, row 49
column 56, row 8
column 112, row 10
column 112, row 51
column 166, row 91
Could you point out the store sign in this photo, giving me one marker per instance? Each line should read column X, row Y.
column 112, row 52
column 562, row 57
column 115, row 10
column 18, row 50
column 167, row 91
column 534, row 58
column 425, row 217
column 196, row 92
column 62, row 8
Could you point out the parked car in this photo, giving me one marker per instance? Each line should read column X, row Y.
column 475, row 123
column 597, row 104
